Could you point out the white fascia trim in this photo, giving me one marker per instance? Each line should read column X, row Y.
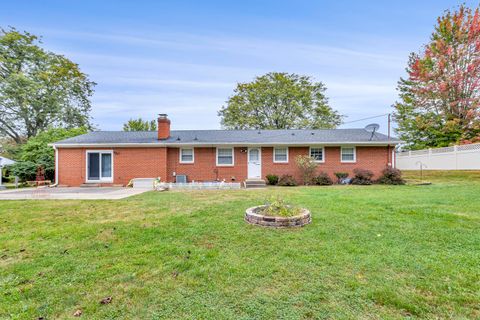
column 323, row 153
column 274, row 161
column 180, row 155
column 229, row 144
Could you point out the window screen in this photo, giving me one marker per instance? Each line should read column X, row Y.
column 224, row 156
column 348, row 154
column 280, row 154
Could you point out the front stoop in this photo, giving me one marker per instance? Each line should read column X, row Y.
column 255, row 183
column 90, row 185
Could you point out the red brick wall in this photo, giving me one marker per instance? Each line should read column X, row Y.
column 132, row 163
column 128, row 163
column 205, row 168
column 71, row 166
column 371, row 158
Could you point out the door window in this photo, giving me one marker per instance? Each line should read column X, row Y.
column 254, row 155
column 93, row 166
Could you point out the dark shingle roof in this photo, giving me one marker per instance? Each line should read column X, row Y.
column 233, row 137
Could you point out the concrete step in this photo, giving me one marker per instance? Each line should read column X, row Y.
column 90, row 185
column 255, row 183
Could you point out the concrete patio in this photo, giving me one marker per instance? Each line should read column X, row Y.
column 71, row 193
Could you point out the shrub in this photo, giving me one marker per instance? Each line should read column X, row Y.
column 391, row 176
column 278, row 207
column 36, row 150
column 362, row 176
column 287, row 180
column 323, row 179
column 24, row 170
column 307, row 166
column 272, row 179
column 340, row 176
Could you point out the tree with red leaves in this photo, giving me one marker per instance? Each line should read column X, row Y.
column 440, row 100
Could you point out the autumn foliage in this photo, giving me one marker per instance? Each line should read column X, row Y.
column 440, row 98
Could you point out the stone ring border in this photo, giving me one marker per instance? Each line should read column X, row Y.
column 300, row 220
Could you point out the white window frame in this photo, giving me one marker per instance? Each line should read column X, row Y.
column 104, row 180
column 225, row 164
column 323, row 153
column 274, row 153
column 354, row 154
column 181, row 152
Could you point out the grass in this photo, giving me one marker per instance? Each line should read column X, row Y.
column 371, row 252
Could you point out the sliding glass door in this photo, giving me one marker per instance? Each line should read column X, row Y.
column 99, row 166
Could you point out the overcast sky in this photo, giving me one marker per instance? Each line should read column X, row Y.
column 184, row 58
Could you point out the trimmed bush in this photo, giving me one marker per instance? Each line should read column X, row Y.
column 272, row 179
column 323, row 179
column 341, row 176
column 391, row 176
column 362, row 177
column 287, row 180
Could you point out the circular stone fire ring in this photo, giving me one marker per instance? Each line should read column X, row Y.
column 252, row 217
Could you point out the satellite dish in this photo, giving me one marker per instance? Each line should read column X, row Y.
column 372, row 127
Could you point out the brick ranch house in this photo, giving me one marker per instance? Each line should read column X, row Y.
column 114, row 158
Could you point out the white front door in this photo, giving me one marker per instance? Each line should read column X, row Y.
column 254, row 163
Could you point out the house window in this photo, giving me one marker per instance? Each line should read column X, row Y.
column 317, row 154
column 186, row 155
column 280, row 155
column 224, row 156
column 348, row 154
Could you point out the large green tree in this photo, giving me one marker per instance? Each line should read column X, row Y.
column 279, row 101
column 36, row 152
column 38, row 88
column 440, row 98
column 140, row 125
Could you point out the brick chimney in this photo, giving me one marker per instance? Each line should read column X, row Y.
column 163, row 127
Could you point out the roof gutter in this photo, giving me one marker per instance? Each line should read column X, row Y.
column 237, row 144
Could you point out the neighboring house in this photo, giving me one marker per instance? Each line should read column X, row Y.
column 3, row 163
column 108, row 157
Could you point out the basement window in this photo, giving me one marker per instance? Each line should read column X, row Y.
column 186, row 155
column 224, row 156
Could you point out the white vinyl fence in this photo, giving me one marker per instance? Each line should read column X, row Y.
column 464, row 157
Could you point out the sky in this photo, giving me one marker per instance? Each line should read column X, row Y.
column 184, row 58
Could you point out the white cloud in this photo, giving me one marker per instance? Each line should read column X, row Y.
column 190, row 76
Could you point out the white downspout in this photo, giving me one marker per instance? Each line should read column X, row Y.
column 56, row 167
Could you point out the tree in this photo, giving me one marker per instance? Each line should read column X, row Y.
column 36, row 152
column 39, row 89
column 279, row 101
column 439, row 101
column 140, row 125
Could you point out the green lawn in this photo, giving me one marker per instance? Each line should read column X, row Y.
column 372, row 252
